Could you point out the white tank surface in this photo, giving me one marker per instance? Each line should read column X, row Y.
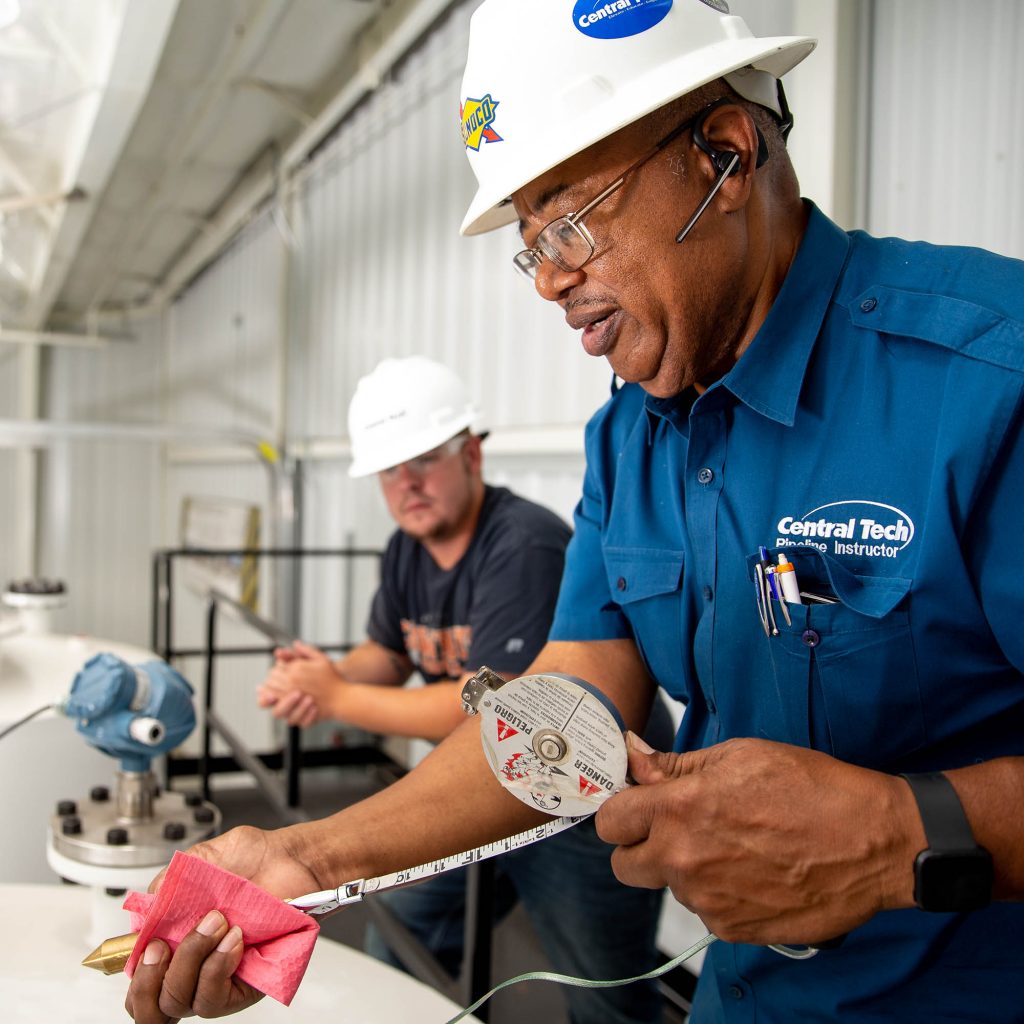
column 45, row 760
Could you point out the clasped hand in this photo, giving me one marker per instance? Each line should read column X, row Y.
column 302, row 687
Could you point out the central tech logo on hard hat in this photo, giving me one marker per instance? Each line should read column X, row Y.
column 477, row 116
column 616, row 19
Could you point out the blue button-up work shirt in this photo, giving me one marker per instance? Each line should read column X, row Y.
column 872, row 433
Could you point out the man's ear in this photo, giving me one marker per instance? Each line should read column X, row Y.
column 472, row 452
column 734, row 137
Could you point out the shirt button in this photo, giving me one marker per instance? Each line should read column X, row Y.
column 868, row 305
column 811, row 637
column 620, row 583
column 735, row 991
column 705, row 476
column 708, row 593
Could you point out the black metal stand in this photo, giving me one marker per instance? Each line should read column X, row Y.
column 261, row 766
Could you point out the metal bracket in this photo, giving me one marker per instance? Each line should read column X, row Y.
column 482, row 682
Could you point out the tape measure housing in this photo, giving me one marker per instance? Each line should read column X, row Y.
column 553, row 741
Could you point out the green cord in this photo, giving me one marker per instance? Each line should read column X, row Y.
column 567, row 979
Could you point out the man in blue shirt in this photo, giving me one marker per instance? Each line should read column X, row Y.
column 852, row 404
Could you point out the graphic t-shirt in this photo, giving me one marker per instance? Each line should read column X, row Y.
column 492, row 608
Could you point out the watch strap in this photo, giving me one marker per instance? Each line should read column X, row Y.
column 945, row 821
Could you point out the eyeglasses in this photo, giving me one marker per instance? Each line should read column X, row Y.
column 423, row 464
column 566, row 241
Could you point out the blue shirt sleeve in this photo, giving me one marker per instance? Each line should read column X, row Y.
column 585, row 609
column 994, row 553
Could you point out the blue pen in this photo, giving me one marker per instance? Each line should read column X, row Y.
column 762, row 553
column 766, row 590
column 775, row 586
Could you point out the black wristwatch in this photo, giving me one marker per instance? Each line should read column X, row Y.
column 954, row 873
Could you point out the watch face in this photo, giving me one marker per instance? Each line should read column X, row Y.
column 953, row 881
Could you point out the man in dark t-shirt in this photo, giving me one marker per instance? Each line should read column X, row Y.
column 469, row 578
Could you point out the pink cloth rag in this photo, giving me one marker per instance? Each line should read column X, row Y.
column 278, row 938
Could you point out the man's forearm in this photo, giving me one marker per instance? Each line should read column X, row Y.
column 374, row 665
column 452, row 801
column 427, row 712
column 992, row 794
column 449, row 803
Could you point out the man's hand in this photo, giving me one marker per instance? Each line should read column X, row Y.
column 198, row 979
column 302, row 687
column 765, row 842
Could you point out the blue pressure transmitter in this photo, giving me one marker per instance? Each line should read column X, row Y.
column 132, row 712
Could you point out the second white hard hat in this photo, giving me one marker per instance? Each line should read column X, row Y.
column 404, row 408
column 545, row 79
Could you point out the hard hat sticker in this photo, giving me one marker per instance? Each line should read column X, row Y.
column 476, row 117
column 617, row 19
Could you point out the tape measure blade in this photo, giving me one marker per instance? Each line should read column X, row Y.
column 421, row 872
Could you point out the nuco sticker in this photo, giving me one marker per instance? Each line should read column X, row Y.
column 476, row 118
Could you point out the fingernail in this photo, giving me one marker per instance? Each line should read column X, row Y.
column 636, row 743
column 211, row 923
column 232, row 939
column 153, row 954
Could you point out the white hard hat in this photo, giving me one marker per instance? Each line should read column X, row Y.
column 545, row 79
column 403, row 408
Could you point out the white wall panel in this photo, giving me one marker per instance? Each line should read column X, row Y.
column 340, row 513
column 222, row 360
column 101, row 500
column 946, row 145
column 9, row 397
column 9, row 409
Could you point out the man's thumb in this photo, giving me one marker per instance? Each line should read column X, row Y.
column 647, row 765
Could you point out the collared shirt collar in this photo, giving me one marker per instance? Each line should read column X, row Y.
column 769, row 375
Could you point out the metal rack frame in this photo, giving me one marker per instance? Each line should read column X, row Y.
column 284, row 798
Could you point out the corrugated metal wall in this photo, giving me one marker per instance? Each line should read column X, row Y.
column 946, row 144
column 102, row 504
column 10, row 355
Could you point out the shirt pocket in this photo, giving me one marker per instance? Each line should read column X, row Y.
column 845, row 673
column 645, row 584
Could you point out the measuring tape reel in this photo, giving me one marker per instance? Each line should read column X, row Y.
column 550, row 739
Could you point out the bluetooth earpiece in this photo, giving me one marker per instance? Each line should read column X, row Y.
column 722, row 159
column 725, row 162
